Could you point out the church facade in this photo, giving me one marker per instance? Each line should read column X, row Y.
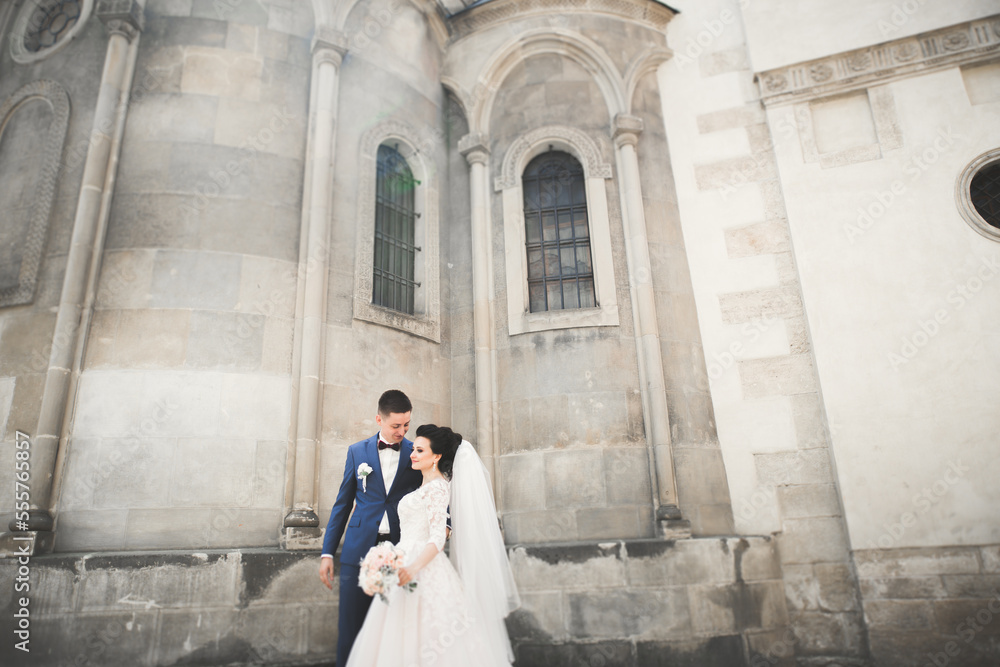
column 711, row 286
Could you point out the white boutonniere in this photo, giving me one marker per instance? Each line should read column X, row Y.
column 363, row 471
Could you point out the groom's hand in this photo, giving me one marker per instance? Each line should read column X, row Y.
column 326, row 572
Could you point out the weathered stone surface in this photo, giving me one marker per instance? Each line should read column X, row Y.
column 884, row 588
column 574, row 478
column 197, row 636
column 705, row 561
column 570, row 654
column 899, row 615
column 721, row 62
column 764, row 304
column 100, row 530
column 725, row 119
column 809, row 500
column 827, row 634
column 179, row 280
column 659, row 614
column 25, row 343
column 917, row 562
column 774, row 647
column 542, row 616
column 760, row 238
column 626, row 522
column 226, row 340
column 152, row 338
column 808, row 466
column 154, row 220
column 758, row 562
column 212, row 472
column 813, row 540
column 169, row 117
column 255, row 406
column 201, row 528
column 788, row 375
column 540, row 526
column 523, row 481
column 571, row 567
column 972, row 585
column 143, row 583
column 719, row 651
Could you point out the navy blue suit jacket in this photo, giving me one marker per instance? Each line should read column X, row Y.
column 362, row 530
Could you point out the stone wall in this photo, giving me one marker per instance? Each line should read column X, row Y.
column 761, row 364
column 932, row 605
column 573, row 464
column 702, row 487
column 706, row 602
column 183, row 406
column 26, row 331
column 389, row 93
column 171, row 608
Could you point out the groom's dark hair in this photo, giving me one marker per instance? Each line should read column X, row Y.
column 394, row 401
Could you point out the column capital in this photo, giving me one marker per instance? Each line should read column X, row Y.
column 625, row 130
column 475, row 147
column 329, row 45
column 121, row 17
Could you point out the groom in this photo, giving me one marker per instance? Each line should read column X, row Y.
column 374, row 496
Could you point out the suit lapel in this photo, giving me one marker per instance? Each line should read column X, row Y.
column 405, row 448
column 371, row 453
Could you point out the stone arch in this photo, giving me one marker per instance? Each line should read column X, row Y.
column 569, row 139
column 565, row 43
column 36, row 230
column 340, row 15
column 645, row 63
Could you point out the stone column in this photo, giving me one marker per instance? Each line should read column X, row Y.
column 474, row 148
column 123, row 20
column 625, row 131
column 301, row 524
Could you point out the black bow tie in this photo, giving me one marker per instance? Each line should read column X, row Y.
column 386, row 445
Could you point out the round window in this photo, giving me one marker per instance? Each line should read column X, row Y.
column 45, row 26
column 979, row 194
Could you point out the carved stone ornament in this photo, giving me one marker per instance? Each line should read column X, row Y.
column 775, row 82
column 821, row 72
column 955, row 46
column 583, row 147
column 859, row 62
column 45, row 27
column 426, row 324
column 956, row 41
column 906, row 52
column 45, row 189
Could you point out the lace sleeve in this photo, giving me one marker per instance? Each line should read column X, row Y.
column 436, row 498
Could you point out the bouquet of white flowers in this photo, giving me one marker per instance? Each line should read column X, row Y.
column 380, row 570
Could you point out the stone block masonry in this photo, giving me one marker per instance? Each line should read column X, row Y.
column 932, row 605
column 707, row 602
column 166, row 608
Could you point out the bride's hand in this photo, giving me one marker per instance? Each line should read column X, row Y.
column 406, row 575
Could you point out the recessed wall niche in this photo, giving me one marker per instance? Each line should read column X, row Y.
column 33, row 124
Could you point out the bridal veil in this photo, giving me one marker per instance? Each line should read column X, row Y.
column 477, row 549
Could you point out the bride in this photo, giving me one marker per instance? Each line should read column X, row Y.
column 455, row 616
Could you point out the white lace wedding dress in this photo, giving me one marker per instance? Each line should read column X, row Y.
column 434, row 625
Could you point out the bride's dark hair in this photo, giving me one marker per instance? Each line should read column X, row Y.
column 443, row 441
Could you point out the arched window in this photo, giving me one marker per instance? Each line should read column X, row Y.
column 557, row 234
column 395, row 248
